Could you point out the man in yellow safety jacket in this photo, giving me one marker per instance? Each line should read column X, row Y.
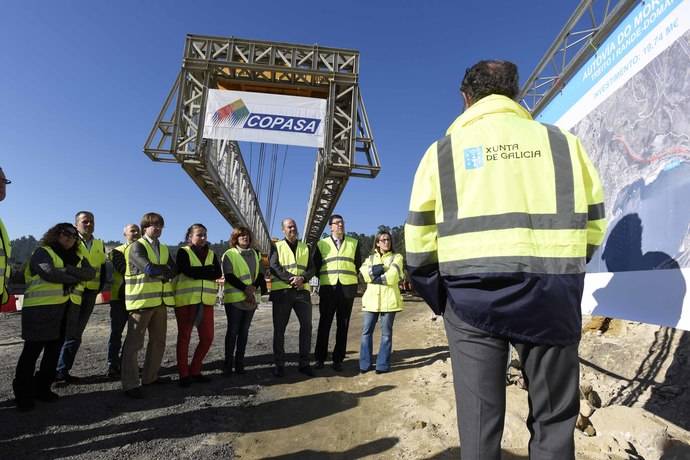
column 337, row 261
column 504, row 214
column 5, row 249
column 291, row 268
column 148, row 291
column 118, row 312
column 93, row 250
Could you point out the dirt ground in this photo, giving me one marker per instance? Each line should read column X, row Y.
column 408, row 413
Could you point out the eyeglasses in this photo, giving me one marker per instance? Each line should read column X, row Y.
column 338, row 222
column 6, row 181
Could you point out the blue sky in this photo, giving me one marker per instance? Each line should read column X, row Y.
column 82, row 83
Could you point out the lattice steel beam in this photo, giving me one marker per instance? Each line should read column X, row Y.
column 588, row 26
column 271, row 67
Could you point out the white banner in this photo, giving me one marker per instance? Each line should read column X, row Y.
column 267, row 118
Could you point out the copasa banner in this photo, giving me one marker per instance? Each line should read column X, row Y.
column 266, row 118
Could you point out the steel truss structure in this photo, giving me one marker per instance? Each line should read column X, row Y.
column 217, row 167
column 588, row 26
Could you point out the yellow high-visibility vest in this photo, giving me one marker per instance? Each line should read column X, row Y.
column 338, row 265
column 241, row 271
column 143, row 291
column 5, row 254
column 41, row 292
column 190, row 291
column 96, row 258
column 383, row 297
column 465, row 217
column 295, row 265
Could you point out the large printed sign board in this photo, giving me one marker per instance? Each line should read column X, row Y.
column 630, row 105
column 266, row 118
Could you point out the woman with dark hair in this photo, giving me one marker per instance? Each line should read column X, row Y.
column 54, row 277
column 243, row 274
column 196, row 290
column 382, row 271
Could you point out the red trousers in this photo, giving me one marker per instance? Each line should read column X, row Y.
column 185, row 323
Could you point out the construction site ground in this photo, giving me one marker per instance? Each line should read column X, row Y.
column 408, row 413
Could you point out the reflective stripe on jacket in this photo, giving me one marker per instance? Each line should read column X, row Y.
column 41, row 292
column 383, row 296
column 144, row 291
column 294, row 265
column 5, row 254
column 96, row 258
column 506, row 211
column 338, row 265
column 190, row 291
column 241, row 271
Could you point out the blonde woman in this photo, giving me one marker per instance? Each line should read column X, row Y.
column 382, row 272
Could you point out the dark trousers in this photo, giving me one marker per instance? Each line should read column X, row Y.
column 332, row 302
column 284, row 301
column 552, row 377
column 73, row 334
column 118, row 321
column 25, row 384
column 236, row 336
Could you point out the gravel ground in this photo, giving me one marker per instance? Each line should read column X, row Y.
column 93, row 419
column 408, row 413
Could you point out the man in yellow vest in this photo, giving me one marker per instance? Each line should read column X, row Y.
column 148, row 291
column 5, row 249
column 504, row 214
column 291, row 268
column 118, row 312
column 337, row 261
column 93, row 250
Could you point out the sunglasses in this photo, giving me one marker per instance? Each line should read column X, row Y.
column 6, row 181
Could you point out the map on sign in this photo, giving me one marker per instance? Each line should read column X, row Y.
column 630, row 106
column 643, row 159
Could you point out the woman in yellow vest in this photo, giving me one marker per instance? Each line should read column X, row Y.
column 244, row 275
column 382, row 271
column 196, row 290
column 54, row 280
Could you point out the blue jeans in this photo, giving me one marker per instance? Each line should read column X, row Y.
column 118, row 321
column 366, row 352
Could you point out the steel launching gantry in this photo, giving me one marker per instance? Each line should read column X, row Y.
column 586, row 29
column 218, row 168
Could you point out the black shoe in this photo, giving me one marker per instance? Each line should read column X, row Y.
column 160, row 381
column 363, row 371
column 201, row 378
column 113, row 373
column 67, row 378
column 338, row 367
column 319, row 365
column 278, row 371
column 381, row 372
column 307, row 370
column 24, row 404
column 239, row 369
column 134, row 393
column 47, row 395
column 185, row 382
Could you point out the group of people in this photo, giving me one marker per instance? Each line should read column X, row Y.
column 67, row 271
column 496, row 243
